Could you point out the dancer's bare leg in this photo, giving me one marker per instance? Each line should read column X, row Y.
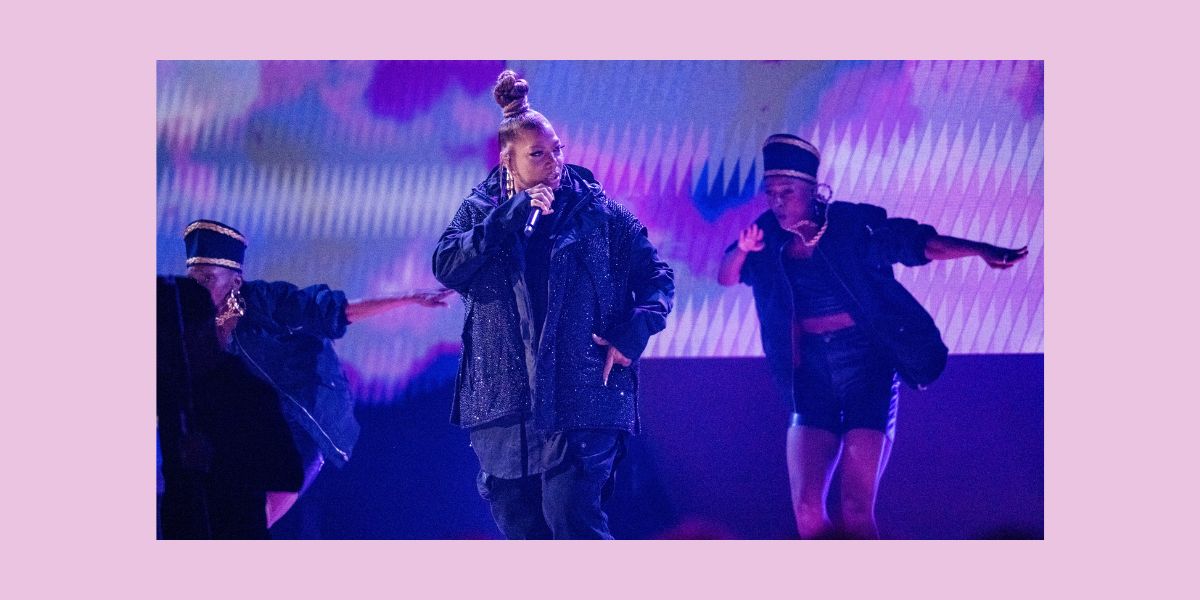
column 811, row 456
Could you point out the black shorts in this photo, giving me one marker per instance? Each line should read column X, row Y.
column 845, row 381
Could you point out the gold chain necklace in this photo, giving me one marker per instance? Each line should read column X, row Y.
column 816, row 238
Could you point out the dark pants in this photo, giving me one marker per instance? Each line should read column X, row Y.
column 566, row 501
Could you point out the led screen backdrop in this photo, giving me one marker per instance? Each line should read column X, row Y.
column 346, row 173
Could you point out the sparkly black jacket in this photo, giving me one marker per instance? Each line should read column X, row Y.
column 605, row 278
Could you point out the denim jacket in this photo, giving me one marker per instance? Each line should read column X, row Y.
column 860, row 246
column 605, row 277
column 284, row 339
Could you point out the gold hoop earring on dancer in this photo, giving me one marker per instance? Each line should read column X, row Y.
column 235, row 306
column 824, row 198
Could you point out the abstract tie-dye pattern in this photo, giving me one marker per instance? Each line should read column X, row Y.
column 346, row 173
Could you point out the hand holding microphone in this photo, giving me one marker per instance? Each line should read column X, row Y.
column 541, row 198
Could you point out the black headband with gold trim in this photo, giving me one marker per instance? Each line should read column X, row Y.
column 214, row 243
column 790, row 156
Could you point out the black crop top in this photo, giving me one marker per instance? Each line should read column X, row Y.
column 814, row 289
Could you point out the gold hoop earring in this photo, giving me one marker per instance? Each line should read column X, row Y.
column 235, row 306
column 827, row 196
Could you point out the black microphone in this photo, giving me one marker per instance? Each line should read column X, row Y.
column 534, row 215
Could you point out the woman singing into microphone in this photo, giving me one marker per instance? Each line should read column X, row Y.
column 556, row 318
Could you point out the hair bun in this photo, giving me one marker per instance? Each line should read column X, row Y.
column 512, row 94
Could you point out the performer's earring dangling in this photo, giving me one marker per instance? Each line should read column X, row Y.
column 508, row 183
column 235, row 306
column 824, row 198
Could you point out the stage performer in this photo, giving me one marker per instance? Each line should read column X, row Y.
column 839, row 328
column 284, row 335
column 557, row 315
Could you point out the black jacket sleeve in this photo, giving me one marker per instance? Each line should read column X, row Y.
column 475, row 235
column 316, row 310
column 652, row 284
column 896, row 240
